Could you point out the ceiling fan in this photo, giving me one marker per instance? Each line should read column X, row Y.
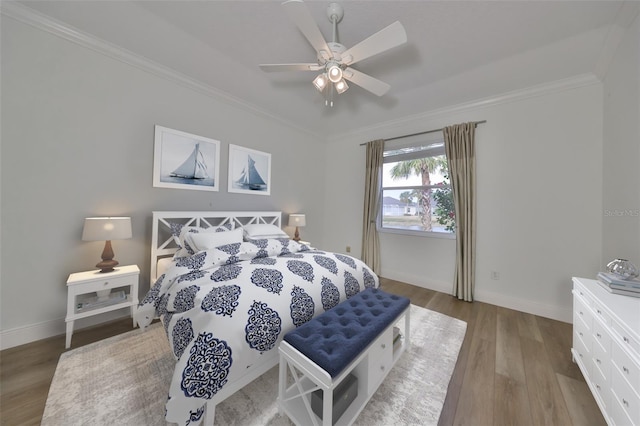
column 334, row 59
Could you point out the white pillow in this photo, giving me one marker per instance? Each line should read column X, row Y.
column 209, row 240
column 263, row 230
column 184, row 248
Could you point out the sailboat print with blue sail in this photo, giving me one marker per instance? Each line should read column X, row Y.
column 194, row 167
column 249, row 177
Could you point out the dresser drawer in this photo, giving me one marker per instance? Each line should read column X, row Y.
column 602, row 390
column 601, row 362
column 625, row 403
column 601, row 337
column 626, row 339
column 601, row 313
column 581, row 313
column 628, row 369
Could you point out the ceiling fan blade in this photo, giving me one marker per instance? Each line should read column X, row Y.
column 385, row 39
column 365, row 81
column 300, row 15
column 289, row 67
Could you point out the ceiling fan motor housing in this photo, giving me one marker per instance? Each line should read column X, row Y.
column 335, row 11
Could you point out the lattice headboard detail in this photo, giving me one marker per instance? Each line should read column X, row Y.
column 163, row 244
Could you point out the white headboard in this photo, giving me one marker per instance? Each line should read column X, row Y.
column 163, row 244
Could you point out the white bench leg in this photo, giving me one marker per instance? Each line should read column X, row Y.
column 209, row 414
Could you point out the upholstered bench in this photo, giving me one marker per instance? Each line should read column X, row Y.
column 352, row 343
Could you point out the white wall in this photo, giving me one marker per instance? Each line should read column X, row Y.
column 539, row 174
column 77, row 141
column 621, row 155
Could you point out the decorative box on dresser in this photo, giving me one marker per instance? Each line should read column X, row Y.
column 606, row 347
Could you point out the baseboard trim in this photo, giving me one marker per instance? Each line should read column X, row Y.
column 558, row 313
column 44, row 330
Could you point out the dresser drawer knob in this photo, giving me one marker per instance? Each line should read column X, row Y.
column 598, row 386
column 599, row 311
column 625, row 402
column 581, row 313
column 383, row 346
column 382, row 368
column 599, row 335
column 580, row 333
column 598, row 361
column 626, row 339
column 625, row 369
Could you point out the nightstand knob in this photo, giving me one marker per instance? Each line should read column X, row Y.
column 383, row 345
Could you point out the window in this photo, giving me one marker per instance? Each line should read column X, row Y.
column 416, row 192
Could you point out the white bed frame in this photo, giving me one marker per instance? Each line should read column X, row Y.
column 163, row 245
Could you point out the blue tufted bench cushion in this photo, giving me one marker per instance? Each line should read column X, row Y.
column 336, row 337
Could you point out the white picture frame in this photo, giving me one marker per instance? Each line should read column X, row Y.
column 249, row 171
column 183, row 160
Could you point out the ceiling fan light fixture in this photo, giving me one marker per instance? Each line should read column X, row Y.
column 335, row 73
column 341, row 86
column 320, row 82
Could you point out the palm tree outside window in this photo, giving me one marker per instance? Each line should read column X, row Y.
column 416, row 192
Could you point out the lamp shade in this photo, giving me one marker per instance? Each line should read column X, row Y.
column 106, row 228
column 297, row 220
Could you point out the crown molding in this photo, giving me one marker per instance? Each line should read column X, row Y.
column 627, row 13
column 386, row 127
column 45, row 23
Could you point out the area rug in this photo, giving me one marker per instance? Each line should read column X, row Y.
column 123, row 380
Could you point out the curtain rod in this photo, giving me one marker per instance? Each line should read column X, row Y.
column 423, row 133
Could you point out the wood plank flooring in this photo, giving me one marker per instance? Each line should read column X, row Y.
column 513, row 368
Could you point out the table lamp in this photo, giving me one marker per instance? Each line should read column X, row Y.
column 297, row 220
column 107, row 229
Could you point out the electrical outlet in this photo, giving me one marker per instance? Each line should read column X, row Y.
column 348, row 249
column 495, row 275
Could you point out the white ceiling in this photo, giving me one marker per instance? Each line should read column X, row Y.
column 457, row 51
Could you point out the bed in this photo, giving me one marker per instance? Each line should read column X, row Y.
column 227, row 287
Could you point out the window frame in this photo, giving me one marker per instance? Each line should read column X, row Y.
column 434, row 146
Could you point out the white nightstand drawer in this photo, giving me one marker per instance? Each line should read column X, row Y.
column 107, row 283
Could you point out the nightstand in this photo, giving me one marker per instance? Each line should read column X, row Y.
column 92, row 293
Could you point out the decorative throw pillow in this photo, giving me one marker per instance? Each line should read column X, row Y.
column 179, row 232
column 209, row 240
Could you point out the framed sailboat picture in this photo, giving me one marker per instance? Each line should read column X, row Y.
column 249, row 171
column 185, row 161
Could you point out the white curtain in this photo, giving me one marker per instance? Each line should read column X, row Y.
column 370, row 240
column 459, row 142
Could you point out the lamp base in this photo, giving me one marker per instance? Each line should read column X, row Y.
column 296, row 236
column 107, row 265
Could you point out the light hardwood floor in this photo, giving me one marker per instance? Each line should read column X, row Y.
column 513, row 368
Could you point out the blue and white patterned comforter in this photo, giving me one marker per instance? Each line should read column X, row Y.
column 223, row 309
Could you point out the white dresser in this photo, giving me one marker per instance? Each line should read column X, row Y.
column 606, row 347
